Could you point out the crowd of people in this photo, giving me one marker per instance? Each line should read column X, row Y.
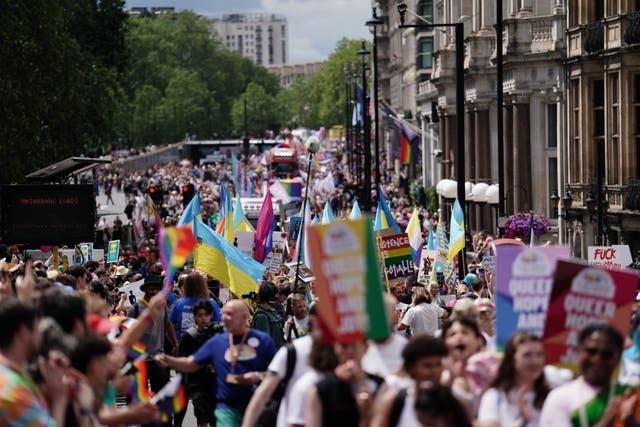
column 70, row 340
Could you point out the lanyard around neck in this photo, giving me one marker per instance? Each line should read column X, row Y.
column 234, row 350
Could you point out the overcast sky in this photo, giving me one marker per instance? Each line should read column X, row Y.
column 315, row 26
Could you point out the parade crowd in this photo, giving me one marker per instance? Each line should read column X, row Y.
column 74, row 346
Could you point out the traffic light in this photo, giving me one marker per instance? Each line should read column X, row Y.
column 188, row 191
column 156, row 194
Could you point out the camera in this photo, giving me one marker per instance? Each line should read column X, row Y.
column 253, row 295
column 437, row 153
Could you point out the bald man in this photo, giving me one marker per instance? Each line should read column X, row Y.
column 239, row 357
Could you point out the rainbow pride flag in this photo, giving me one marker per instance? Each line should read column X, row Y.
column 293, row 187
column 179, row 401
column 139, row 390
column 137, row 350
column 176, row 245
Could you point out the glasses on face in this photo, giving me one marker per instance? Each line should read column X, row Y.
column 604, row 354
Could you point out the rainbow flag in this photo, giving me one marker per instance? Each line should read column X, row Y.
column 409, row 141
column 139, row 390
column 225, row 226
column 293, row 187
column 179, row 401
column 176, row 245
column 137, row 350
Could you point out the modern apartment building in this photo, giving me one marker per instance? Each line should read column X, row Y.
column 262, row 37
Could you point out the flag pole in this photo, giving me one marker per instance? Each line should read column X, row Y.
column 313, row 145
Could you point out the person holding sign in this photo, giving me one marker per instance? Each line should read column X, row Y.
column 592, row 399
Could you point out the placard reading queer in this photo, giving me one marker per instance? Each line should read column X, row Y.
column 524, row 280
column 582, row 295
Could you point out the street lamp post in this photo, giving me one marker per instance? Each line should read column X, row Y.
column 374, row 22
column 460, row 155
column 366, row 127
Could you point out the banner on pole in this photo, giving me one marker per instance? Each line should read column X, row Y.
column 113, row 251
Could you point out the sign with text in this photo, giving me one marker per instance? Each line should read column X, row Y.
column 113, row 251
column 395, row 251
column 581, row 295
column 427, row 264
column 349, row 288
column 616, row 256
column 524, row 279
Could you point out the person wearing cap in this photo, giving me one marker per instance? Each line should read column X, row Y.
column 154, row 337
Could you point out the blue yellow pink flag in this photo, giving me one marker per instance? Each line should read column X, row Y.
column 384, row 218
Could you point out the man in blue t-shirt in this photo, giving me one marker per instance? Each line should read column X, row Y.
column 239, row 357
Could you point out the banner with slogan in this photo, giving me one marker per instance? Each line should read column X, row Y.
column 582, row 295
column 616, row 256
column 427, row 264
column 524, row 280
column 113, row 251
column 348, row 283
column 395, row 251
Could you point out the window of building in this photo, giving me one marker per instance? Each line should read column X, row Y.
column 552, row 125
column 425, row 9
column 613, row 7
column 598, row 108
column 284, row 54
column 574, row 149
column 425, row 50
column 552, row 178
column 598, row 10
column 240, row 44
column 613, row 155
column 284, row 30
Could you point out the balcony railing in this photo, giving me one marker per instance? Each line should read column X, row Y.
column 632, row 30
column 594, row 37
column 541, row 30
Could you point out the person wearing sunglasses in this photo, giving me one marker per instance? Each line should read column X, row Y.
column 592, row 399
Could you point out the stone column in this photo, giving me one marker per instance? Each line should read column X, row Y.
column 521, row 154
column 470, row 163
column 483, row 162
column 508, row 157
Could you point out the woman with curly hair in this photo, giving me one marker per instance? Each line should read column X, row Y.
column 520, row 388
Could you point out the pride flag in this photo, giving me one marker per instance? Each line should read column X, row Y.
column 409, row 141
column 220, row 259
column 139, row 390
column 137, row 350
column 240, row 222
column 414, row 231
column 225, row 226
column 179, row 401
column 456, row 231
column 153, row 213
column 263, row 242
column 176, row 245
column 293, row 187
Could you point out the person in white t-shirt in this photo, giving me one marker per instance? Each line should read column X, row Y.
column 517, row 393
column 275, row 373
column 422, row 317
column 592, row 399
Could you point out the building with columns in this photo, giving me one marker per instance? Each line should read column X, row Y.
column 533, row 51
column 603, row 136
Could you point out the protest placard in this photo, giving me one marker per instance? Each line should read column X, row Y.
column 349, row 287
column 524, row 278
column 582, row 295
column 395, row 250
column 244, row 240
column 616, row 256
column 427, row 264
column 113, row 251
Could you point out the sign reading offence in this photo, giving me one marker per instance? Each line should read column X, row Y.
column 396, row 253
column 48, row 214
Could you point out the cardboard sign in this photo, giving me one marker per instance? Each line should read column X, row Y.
column 616, row 256
column 581, row 295
column 113, row 251
column 396, row 253
column 304, row 273
column 133, row 292
column 524, row 280
column 83, row 253
column 244, row 241
column 427, row 265
column 349, row 290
